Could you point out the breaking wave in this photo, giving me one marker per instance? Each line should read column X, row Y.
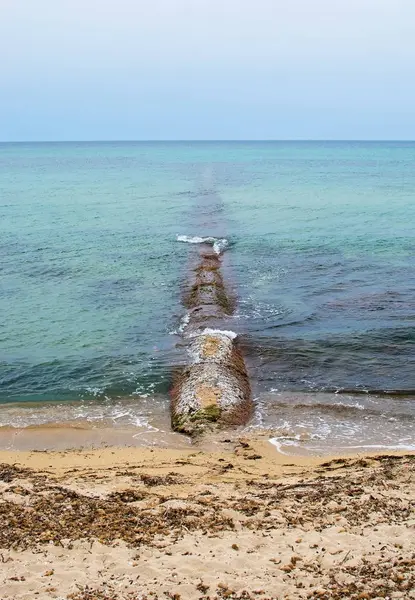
column 208, row 331
column 219, row 244
column 184, row 322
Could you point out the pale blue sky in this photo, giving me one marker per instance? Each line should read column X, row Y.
column 207, row 69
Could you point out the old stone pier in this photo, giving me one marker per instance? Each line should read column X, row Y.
column 213, row 390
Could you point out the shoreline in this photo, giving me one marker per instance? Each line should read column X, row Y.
column 262, row 449
column 82, row 436
column 240, row 521
column 303, row 423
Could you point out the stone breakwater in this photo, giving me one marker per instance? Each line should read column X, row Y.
column 213, row 390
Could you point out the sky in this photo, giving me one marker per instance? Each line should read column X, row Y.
column 207, row 69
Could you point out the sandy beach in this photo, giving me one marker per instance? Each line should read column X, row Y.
column 242, row 521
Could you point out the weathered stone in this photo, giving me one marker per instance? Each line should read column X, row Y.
column 214, row 390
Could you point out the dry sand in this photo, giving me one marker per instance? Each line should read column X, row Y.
column 240, row 522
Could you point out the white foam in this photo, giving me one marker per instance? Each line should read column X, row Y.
column 183, row 324
column 208, row 331
column 279, row 442
column 193, row 240
column 219, row 244
column 275, row 442
column 404, row 447
column 95, row 391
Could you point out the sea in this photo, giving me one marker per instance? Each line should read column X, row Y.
column 317, row 242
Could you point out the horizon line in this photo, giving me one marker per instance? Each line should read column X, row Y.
column 200, row 140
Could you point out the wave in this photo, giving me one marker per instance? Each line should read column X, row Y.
column 208, row 331
column 95, row 414
column 395, row 447
column 84, row 378
column 184, row 322
column 285, row 441
column 404, row 392
column 346, row 409
column 280, row 442
column 226, row 332
column 219, row 244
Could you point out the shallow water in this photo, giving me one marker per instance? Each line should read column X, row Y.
column 319, row 253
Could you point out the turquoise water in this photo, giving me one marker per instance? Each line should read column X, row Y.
column 321, row 258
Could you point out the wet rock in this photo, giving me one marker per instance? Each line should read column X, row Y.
column 214, row 389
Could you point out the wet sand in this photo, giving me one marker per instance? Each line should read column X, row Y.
column 61, row 436
column 242, row 521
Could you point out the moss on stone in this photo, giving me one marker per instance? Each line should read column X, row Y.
column 180, row 423
column 209, row 413
column 196, row 423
